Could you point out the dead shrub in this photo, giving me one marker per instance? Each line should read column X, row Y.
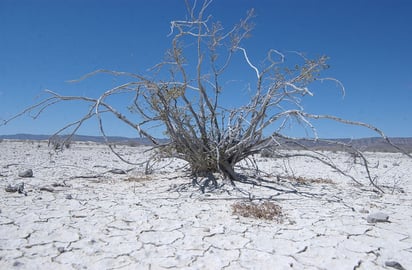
column 266, row 210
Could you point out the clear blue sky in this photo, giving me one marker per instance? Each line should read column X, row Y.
column 44, row 43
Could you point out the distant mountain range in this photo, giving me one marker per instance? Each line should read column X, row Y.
column 377, row 144
column 81, row 138
column 366, row 144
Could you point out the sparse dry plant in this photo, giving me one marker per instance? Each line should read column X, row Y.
column 138, row 179
column 59, row 143
column 187, row 95
column 265, row 210
column 306, row 180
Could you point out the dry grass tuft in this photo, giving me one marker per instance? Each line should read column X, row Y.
column 304, row 180
column 266, row 210
column 140, row 178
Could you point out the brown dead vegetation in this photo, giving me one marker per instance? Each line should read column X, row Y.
column 306, row 180
column 265, row 210
column 140, row 178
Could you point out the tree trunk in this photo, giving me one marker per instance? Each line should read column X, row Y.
column 207, row 165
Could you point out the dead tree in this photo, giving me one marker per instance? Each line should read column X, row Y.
column 186, row 97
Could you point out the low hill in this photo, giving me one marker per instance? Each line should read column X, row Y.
column 365, row 144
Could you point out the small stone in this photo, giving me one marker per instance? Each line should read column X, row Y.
column 11, row 188
column 26, row 173
column 18, row 188
column 394, row 264
column 377, row 217
column 61, row 249
column 69, row 196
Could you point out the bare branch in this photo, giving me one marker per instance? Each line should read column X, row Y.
column 183, row 94
column 248, row 62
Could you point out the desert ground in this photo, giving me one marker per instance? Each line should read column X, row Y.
column 83, row 208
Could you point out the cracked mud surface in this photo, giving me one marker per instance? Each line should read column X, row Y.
column 77, row 215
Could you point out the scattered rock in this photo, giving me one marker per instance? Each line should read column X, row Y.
column 61, row 249
column 26, row 173
column 117, row 171
column 17, row 188
column 394, row 264
column 377, row 217
column 69, row 196
column 11, row 188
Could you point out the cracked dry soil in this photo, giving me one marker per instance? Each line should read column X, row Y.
column 77, row 215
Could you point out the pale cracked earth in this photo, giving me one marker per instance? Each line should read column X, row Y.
column 75, row 214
